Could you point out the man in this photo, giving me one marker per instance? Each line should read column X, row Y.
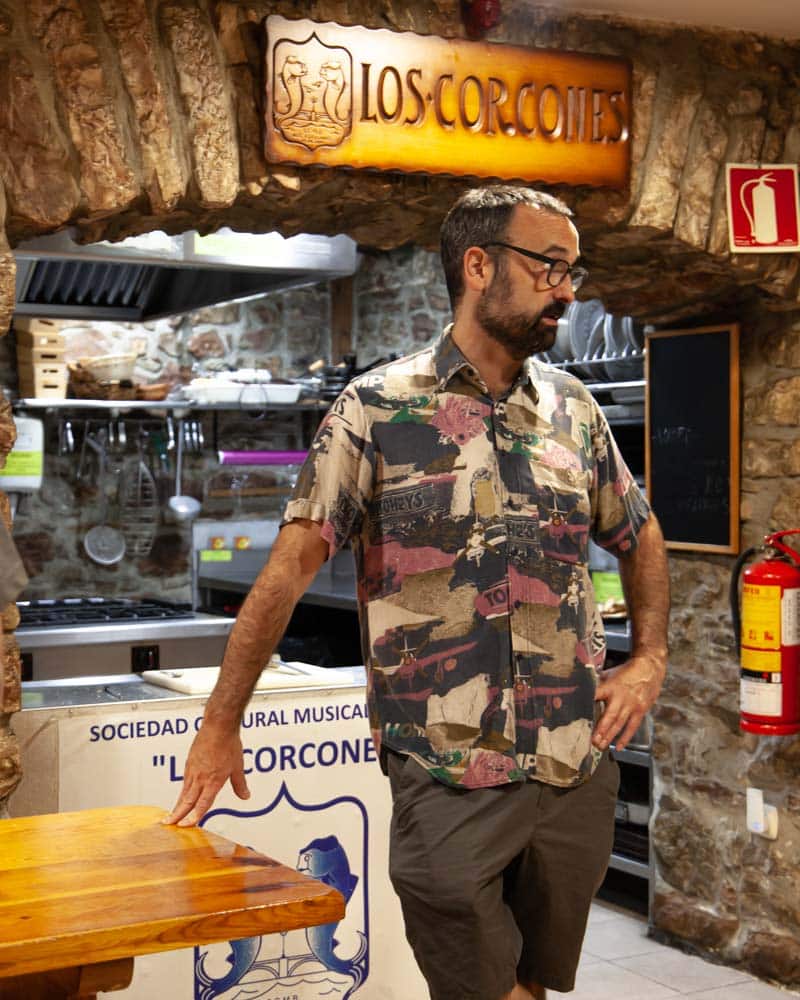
column 468, row 478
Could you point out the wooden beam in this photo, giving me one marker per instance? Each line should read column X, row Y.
column 341, row 318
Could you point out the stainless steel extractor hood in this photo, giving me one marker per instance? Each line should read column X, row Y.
column 145, row 277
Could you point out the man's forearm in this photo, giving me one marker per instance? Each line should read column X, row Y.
column 262, row 620
column 259, row 627
column 645, row 581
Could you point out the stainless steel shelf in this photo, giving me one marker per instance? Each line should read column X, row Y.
column 618, row 635
column 185, row 405
column 201, row 626
column 629, row 756
column 630, row 865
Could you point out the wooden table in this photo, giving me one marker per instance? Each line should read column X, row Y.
column 82, row 893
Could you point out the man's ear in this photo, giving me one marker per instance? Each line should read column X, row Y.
column 478, row 269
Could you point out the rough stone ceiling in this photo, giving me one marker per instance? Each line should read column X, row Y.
column 657, row 251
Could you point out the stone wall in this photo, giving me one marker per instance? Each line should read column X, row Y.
column 720, row 889
column 122, row 116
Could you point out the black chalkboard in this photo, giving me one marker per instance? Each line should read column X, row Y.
column 692, row 436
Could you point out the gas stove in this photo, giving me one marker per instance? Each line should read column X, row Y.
column 95, row 611
column 96, row 636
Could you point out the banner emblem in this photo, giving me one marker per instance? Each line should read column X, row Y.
column 312, row 92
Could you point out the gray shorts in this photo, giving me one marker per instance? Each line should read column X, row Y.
column 496, row 883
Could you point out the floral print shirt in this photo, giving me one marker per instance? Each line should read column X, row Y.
column 469, row 519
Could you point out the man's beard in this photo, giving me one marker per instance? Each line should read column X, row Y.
column 521, row 334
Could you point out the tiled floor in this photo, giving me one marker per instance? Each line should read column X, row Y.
column 620, row 962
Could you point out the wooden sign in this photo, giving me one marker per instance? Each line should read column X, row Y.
column 351, row 96
column 692, row 436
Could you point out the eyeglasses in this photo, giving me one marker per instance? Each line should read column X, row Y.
column 557, row 268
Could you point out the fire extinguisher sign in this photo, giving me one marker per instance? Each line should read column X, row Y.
column 763, row 208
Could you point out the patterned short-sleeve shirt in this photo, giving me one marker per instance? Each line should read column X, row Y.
column 469, row 519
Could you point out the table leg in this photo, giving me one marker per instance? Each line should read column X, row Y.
column 83, row 982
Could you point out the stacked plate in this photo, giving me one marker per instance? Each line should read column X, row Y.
column 597, row 346
column 622, row 350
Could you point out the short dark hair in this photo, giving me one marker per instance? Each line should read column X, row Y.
column 479, row 216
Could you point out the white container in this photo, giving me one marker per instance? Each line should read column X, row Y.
column 213, row 391
column 282, row 393
column 206, row 390
column 24, row 465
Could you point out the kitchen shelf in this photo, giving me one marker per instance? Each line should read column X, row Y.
column 612, row 386
column 185, row 405
column 629, row 756
column 618, row 634
column 630, row 865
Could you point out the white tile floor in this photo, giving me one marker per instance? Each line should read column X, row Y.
column 620, row 962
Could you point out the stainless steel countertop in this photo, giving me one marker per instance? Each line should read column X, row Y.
column 120, row 689
column 146, row 630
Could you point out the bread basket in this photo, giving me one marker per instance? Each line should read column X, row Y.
column 110, row 367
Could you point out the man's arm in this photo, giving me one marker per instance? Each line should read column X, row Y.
column 630, row 689
column 216, row 753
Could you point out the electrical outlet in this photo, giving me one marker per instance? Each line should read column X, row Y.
column 761, row 817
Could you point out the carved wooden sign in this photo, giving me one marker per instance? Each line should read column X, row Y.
column 358, row 97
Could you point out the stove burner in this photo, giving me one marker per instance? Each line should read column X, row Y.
column 96, row 611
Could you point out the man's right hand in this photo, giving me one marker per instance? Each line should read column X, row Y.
column 213, row 758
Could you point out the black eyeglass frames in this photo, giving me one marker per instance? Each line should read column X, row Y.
column 557, row 268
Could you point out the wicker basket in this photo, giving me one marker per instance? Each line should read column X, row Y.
column 84, row 385
column 110, row 367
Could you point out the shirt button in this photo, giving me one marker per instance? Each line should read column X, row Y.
column 517, row 604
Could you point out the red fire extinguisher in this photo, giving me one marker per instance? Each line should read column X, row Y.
column 768, row 636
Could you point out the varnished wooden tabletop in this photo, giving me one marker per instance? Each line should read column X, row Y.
column 104, row 884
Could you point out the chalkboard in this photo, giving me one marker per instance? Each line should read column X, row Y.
column 692, row 436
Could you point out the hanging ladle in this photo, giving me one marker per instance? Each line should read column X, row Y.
column 185, row 508
column 102, row 543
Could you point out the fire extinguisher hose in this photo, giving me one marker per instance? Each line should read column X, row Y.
column 734, row 593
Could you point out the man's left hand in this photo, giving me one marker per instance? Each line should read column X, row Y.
column 628, row 691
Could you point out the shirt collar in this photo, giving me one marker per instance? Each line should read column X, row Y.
column 448, row 361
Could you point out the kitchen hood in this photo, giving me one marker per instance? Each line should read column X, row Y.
column 146, row 277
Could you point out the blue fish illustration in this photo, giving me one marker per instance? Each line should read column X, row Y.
column 242, row 958
column 325, row 859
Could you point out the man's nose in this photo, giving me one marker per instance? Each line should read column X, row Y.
column 563, row 291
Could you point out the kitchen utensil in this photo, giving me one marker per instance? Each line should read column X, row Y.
column 185, row 508
column 139, row 505
column 102, row 543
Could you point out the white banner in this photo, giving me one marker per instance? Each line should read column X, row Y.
column 318, row 803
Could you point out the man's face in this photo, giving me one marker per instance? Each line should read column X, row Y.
column 519, row 310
